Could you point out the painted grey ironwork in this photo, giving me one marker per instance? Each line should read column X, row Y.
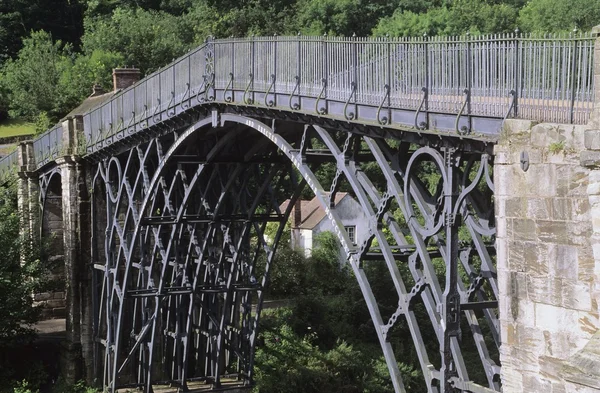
column 458, row 84
column 187, row 177
column 48, row 146
column 8, row 165
column 179, row 227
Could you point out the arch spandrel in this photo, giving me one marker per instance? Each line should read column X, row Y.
column 177, row 223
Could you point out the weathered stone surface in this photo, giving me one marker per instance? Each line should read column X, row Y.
column 592, row 139
column 546, row 219
column 583, row 368
column 590, row 159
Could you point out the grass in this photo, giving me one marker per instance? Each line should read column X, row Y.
column 15, row 127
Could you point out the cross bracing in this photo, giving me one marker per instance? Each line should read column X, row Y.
column 190, row 164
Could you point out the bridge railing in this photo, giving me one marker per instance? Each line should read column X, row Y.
column 545, row 78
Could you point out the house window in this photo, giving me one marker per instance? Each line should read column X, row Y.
column 351, row 231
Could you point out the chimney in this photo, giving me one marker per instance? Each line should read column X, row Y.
column 97, row 90
column 125, row 77
column 297, row 218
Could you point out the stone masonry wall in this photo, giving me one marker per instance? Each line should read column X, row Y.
column 546, row 268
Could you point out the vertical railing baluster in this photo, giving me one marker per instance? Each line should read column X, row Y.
column 326, row 71
column 517, row 75
column 389, row 77
column 469, row 72
column 427, row 78
column 573, row 71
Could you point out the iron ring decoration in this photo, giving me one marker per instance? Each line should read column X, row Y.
column 113, row 162
column 351, row 115
column 295, row 106
column 464, row 130
column 322, row 110
column 229, row 98
column 422, row 125
column 383, row 120
column 270, row 103
column 248, row 100
column 438, row 159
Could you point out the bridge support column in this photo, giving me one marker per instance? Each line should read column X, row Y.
column 27, row 193
column 546, row 266
column 76, row 209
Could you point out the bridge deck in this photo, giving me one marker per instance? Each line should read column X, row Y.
column 448, row 85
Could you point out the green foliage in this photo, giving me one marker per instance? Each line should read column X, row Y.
column 556, row 147
column 18, row 18
column 551, row 16
column 21, row 274
column 145, row 39
column 33, row 78
column 457, row 18
column 289, row 362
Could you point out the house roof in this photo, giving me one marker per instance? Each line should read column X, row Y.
column 312, row 211
column 90, row 103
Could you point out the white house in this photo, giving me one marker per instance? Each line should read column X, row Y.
column 310, row 220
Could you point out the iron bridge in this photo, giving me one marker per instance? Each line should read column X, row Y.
column 187, row 167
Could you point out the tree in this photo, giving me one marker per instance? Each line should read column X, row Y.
column 32, row 80
column 551, row 16
column 19, row 17
column 145, row 39
column 457, row 18
column 20, row 275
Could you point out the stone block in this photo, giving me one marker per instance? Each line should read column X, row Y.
column 532, row 382
column 563, row 263
column 576, row 295
column 516, row 207
column 540, row 208
column 516, row 256
column 540, row 181
column 592, row 139
column 550, row 366
column 579, row 233
column 525, row 315
column 561, row 209
column 508, row 179
column 544, row 290
column 515, row 129
column 554, row 318
column 531, row 338
column 578, row 181
column 552, row 231
column 590, row 158
column 537, row 257
column 585, row 265
column 580, row 209
column 522, row 228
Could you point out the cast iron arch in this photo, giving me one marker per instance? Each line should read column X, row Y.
column 376, row 205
